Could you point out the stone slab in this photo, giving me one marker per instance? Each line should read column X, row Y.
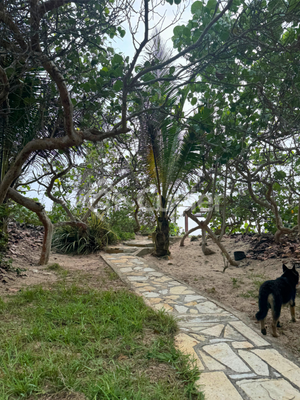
column 249, row 333
column 255, row 363
column 208, row 307
column 191, row 297
column 211, row 363
column 126, row 269
column 139, row 243
column 231, row 333
column 191, row 304
column 241, row 345
column 241, row 376
column 225, row 355
column 181, row 309
column 281, row 364
column 149, row 295
column 120, row 249
column 180, row 289
column 216, row 386
column 269, row 389
column 215, row 330
column 186, row 344
column 143, row 251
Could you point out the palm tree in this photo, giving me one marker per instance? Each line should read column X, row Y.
column 170, row 154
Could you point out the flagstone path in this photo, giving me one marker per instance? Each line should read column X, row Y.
column 237, row 362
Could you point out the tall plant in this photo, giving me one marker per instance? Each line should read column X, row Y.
column 170, row 153
column 172, row 156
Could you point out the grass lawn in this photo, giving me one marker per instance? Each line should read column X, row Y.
column 67, row 342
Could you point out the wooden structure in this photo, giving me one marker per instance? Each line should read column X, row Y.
column 202, row 212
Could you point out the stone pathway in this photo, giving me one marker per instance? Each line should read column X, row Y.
column 237, row 362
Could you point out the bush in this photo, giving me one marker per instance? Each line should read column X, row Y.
column 174, row 229
column 122, row 223
column 69, row 239
column 57, row 214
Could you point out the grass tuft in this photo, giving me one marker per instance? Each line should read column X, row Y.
column 58, row 269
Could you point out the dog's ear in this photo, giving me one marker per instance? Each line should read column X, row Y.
column 284, row 267
column 294, row 267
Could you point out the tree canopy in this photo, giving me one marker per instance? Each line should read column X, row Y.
column 219, row 110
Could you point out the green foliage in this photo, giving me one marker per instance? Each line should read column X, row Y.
column 70, row 239
column 22, row 215
column 58, row 214
column 98, row 343
column 122, row 223
column 174, row 229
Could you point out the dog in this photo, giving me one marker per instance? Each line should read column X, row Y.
column 274, row 294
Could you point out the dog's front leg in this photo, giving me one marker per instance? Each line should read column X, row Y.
column 293, row 309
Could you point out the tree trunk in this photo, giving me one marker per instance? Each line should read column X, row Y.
column 187, row 234
column 203, row 241
column 138, row 226
column 203, row 226
column 161, row 237
column 41, row 213
column 47, row 240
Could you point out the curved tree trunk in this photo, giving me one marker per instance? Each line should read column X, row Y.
column 41, row 213
column 43, row 217
column 281, row 231
column 187, row 234
column 203, row 225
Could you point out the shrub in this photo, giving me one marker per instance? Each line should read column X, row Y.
column 174, row 229
column 122, row 223
column 69, row 239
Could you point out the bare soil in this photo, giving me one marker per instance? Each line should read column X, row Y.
column 236, row 288
column 25, row 249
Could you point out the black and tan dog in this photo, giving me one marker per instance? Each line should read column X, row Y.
column 274, row 294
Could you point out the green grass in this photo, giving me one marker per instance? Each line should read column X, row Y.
column 257, row 281
column 250, row 293
column 58, row 269
column 103, row 344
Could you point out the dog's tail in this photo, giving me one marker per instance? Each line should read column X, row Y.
column 263, row 303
